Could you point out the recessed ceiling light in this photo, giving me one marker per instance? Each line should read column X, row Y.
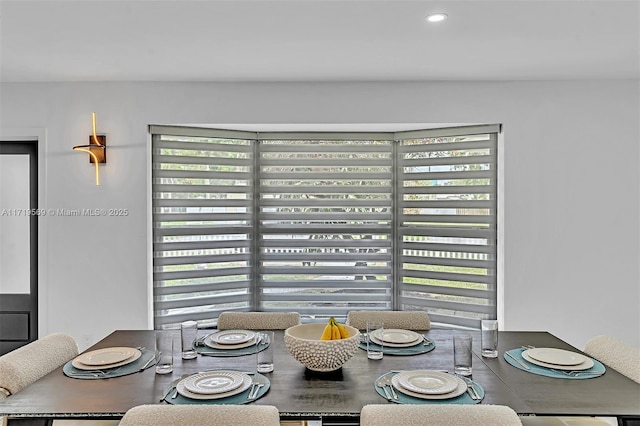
column 436, row 17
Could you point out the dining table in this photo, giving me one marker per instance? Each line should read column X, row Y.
column 335, row 397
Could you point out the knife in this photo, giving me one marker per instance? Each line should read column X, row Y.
column 148, row 363
column 525, row 366
column 172, row 386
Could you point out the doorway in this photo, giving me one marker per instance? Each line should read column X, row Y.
column 19, row 244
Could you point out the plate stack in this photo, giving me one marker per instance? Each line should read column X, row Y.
column 103, row 359
column 427, row 384
column 557, row 359
column 396, row 338
column 214, row 384
column 231, row 339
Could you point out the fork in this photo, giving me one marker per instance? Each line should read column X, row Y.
column 575, row 373
column 92, row 373
column 96, row 373
column 200, row 340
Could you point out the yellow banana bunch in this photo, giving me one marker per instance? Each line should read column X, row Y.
column 334, row 331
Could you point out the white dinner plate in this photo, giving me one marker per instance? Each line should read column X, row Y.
column 213, row 382
column 78, row 362
column 587, row 364
column 374, row 339
column 556, row 356
column 208, row 341
column 394, row 335
column 246, row 383
column 462, row 388
column 232, row 337
column 429, row 382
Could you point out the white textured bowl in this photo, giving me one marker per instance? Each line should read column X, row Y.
column 303, row 342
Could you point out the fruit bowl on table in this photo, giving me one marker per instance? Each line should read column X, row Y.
column 304, row 344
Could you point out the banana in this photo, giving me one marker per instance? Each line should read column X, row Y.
column 335, row 333
column 326, row 333
column 344, row 333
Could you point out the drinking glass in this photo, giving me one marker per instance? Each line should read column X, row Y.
column 489, row 338
column 265, row 357
column 462, row 354
column 375, row 351
column 188, row 332
column 164, row 351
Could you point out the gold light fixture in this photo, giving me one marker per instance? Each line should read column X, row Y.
column 97, row 148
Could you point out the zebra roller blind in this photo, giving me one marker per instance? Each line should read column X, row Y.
column 447, row 224
column 324, row 223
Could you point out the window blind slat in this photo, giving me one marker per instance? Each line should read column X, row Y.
column 195, row 273
column 233, row 286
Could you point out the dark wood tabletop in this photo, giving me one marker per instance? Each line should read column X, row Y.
column 300, row 393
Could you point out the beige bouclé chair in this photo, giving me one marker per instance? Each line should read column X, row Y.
column 438, row 415
column 258, row 320
column 201, row 415
column 23, row 366
column 406, row 320
column 616, row 354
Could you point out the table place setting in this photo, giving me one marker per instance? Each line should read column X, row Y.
column 217, row 387
column 397, row 342
column 428, row 387
column 110, row 362
column 556, row 363
column 231, row 343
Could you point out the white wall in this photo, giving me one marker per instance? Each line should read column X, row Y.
column 571, row 198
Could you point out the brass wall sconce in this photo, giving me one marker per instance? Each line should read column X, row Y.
column 97, row 149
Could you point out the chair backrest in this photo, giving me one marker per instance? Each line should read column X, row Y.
column 258, row 320
column 438, row 415
column 222, row 415
column 23, row 366
column 617, row 354
column 406, row 320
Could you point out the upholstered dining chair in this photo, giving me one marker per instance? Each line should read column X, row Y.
column 438, row 415
column 615, row 353
column 406, row 320
column 258, row 320
column 201, row 415
column 23, row 366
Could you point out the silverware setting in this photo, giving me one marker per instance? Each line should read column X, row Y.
column 255, row 388
column 576, row 373
column 173, row 387
column 94, row 373
column 381, row 384
column 387, row 381
column 200, row 340
column 522, row 364
column 148, row 363
column 471, row 390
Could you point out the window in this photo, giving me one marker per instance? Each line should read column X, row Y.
column 324, row 223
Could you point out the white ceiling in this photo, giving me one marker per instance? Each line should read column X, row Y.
column 317, row 40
